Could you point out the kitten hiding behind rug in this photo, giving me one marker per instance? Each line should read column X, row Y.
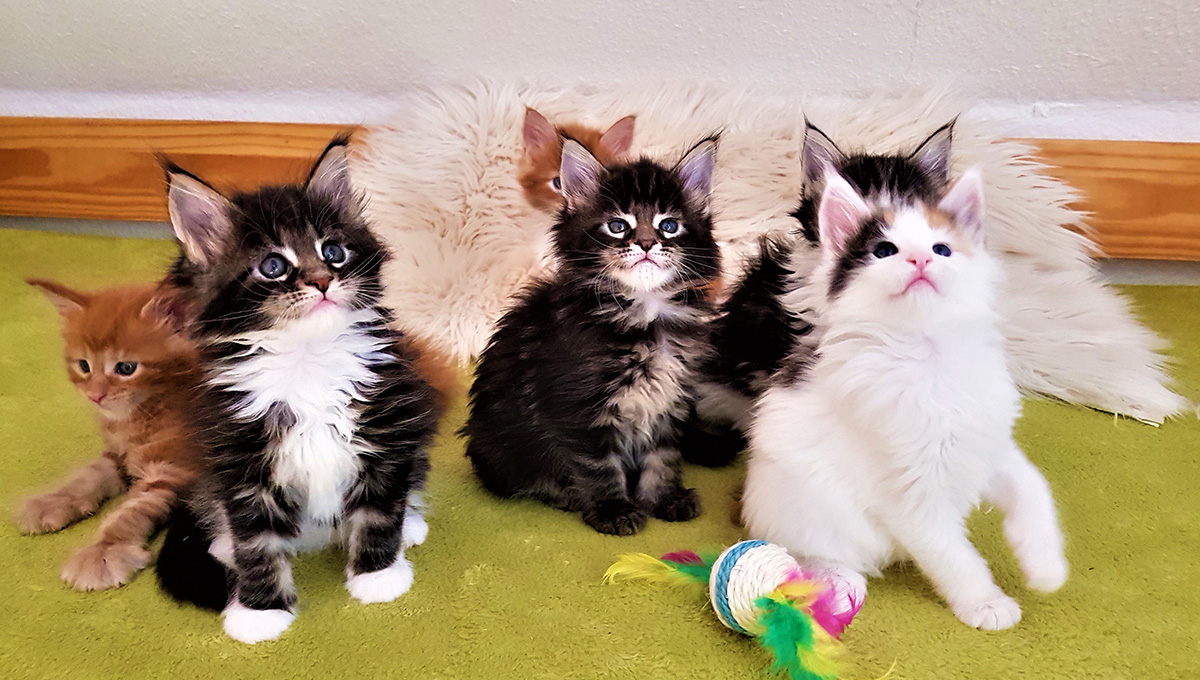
column 543, row 140
column 579, row 395
column 313, row 420
column 877, row 447
column 124, row 351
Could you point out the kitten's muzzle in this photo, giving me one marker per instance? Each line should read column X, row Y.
column 321, row 283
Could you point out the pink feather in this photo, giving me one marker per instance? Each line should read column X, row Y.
column 683, row 557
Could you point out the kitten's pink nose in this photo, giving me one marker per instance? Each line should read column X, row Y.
column 646, row 244
column 97, row 396
column 321, row 283
column 920, row 261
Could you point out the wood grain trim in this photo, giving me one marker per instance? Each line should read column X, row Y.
column 1144, row 197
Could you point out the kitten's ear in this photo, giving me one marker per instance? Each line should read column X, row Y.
column 199, row 215
column 841, row 212
column 933, row 155
column 818, row 154
column 537, row 132
column 964, row 202
column 696, row 170
column 618, row 138
column 167, row 306
column 330, row 176
column 66, row 300
column 579, row 173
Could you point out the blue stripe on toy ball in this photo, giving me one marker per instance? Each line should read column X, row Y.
column 719, row 583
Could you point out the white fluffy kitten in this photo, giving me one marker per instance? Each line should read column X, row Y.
column 902, row 424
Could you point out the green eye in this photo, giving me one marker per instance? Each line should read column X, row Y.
column 125, row 368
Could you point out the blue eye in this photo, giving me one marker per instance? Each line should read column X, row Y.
column 125, row 367
column 885, row 249
column 83, row 366
column 617, row 227
column 556, row 183
column 273, row 266
column 669, row 226
column 333, row 253
column 941, row 249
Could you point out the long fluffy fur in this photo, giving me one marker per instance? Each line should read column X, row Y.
column 442, row 184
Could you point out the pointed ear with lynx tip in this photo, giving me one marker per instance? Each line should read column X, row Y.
column 330, row 176
column 841, row 212
column 819, row 153
column 933, row 154
column 167, row 306
column 67, row 301
column 964, row 201
column 199, row 215
column 696, row 170
column 618, row 138
column 536, row 131
column 579, row 173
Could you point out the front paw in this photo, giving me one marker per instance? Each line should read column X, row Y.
column 414, row 531
column 997, row 613
column 104, row 565
column 1047, row 574
column 619, row 518
column 678, row 505
column 384, row 585
column 255, row 625
column 48, row 512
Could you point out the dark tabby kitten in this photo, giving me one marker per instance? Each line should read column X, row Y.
column 766, row 318
column 311, row 418
column 578, row 398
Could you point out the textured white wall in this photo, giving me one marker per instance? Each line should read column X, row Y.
column 135, row 57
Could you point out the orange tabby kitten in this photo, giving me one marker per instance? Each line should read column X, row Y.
column 125, row 353
column 538, row 174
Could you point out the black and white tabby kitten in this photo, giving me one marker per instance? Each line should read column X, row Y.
column 312, row 419
column 579, row 396
column 766, row 318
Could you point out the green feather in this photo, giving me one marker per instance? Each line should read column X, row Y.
column 788, row 634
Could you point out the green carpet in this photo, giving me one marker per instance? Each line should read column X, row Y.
column 512, row 589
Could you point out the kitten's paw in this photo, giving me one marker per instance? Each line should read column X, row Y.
column 619, row 518
column 1048, row 574
column 49, row 512
column 255, row 625
column 414, row 531
column 995, row 614
column 678, row 505
column 849, row 589
column 104, row 565
column 384, row 585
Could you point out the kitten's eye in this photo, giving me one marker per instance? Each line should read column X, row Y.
column 273, row 266
column 885, row 249
column 941, row 249
column 125, row 367
column 556, row 184
column 83, row 366
column 333, row 253
column 669, row 226
column 617, row 227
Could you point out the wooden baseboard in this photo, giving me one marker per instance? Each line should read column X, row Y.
column 1143, row 197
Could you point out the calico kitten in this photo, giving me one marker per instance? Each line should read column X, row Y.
column 767, row 317
column 539, row 169
column 125, row 352
column 877, row 447
column 578, row 398
column 313, row 421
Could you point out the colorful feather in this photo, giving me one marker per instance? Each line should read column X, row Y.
column 649, row 568
column 799, row 646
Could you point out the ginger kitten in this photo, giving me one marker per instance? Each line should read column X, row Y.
column 538, row 174
column 124, row 352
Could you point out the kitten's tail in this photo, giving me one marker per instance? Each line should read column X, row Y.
column 186, row 570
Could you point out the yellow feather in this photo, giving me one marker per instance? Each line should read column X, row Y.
column 647, row 568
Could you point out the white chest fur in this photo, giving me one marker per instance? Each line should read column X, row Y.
column 307, row 377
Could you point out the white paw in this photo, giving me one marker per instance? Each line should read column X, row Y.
column 849, row 587
column 1047, row 574
column 384, row 585
column 414, row 531
column 255, row 625
column 995, row 614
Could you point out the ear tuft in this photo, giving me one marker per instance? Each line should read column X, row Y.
column 579, row 172
column 330, row 176
column 964, row 201
column 537, row 132
column 618, row 138
column 818, row 155
column 841, row 212
column 67, row 301
column 933, row 154
column 696, row 170
column 199, row 215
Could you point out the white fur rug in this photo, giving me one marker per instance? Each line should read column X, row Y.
column 441, row 185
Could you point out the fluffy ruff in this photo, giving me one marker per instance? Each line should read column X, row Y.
column 442, row 187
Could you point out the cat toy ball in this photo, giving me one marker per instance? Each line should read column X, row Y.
column 756, row 588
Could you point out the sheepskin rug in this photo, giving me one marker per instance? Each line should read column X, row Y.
column 440, row 178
